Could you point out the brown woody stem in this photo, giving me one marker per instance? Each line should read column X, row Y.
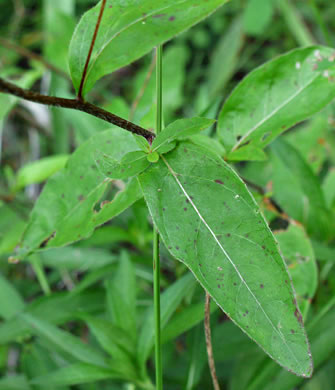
column 74, row 104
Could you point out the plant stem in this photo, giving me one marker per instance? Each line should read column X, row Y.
column 321, row 23
column 156, row 260
column 209, row 346
column 74, row 104
column 83, row 77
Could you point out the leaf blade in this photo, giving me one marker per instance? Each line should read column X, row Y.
column 182, row 191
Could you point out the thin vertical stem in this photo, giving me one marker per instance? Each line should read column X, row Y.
column 40, row 275
column 209, row 346
column 156, row 261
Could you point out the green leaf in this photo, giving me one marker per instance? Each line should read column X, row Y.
column 116, row 342
column 257, row 16
column 208, row 219
column 298, row 190
column 299, row 256
column 328, row 187
column 152, row 23
column 64, row 341
column 179, row 129
column 276, row 96
column 65, row 211
column 225, row 58
column 130, row 165
column 75, row 374
column 39, row 171
column 14, row 382
column 121, row 297
column 247, row 153
column 58, row 308
column 11, row 302
column 170, row 300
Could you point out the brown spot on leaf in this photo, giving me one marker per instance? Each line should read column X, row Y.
column 219, row 181
column 81, row 198
column 261, row 285
column 158, row 15
column 292, row 331
column 172, row 18
column 298, row 316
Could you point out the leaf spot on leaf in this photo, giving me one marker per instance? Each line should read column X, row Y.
column 261, row 285
column 185, row 208
column 177, row 247
column 172, row 18
column 228, row 235
column 298, row 315
column 81, row 198
column 292, row 331
column 219, row 181
column 158, row 15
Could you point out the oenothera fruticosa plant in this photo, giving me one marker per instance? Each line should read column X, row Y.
column 204, row 212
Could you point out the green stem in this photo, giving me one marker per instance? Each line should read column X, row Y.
column 321, row 23
column 156, row 261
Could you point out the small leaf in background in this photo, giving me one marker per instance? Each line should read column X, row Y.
column 77, row 373
column 299, row 256
column 65, row 342
column 64, row 212
column 152, row 23
column 298, row 190
column 121, row 297
column 40, row 170
column 208, row 219
column 275, row 96
column 257, row 16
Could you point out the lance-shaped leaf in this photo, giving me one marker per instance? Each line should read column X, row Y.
column 178, row 129
column 208, row 219
column 277, row 95
column 65, row 211
column 130, row 165
column 128, row 30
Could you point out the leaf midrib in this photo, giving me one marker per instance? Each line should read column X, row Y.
column 277, row 109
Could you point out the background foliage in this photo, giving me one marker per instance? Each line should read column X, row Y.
column 61, row 321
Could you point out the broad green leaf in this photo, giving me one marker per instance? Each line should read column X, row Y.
column 39, row 171
column 130, row 165
column 298, row 190
column 75, row 374
column 152, row 23
column 64, row 341
column 170, row 300
column 299, row 256
column 180, row 128
column 212, row 144
column 65, row 211
column 247, row 153
column 121, row 297
column 208, row 219
column 277, row 95
column 11, row 302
